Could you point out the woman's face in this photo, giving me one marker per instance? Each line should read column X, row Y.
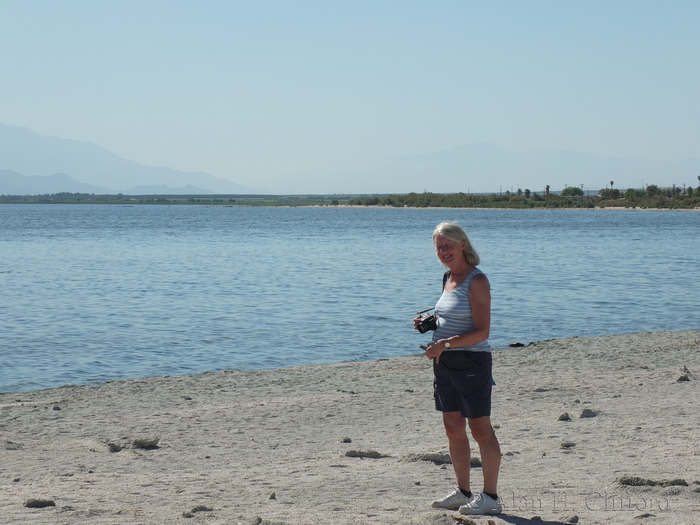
column 448, row 251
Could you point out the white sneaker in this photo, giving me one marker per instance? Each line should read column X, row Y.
column 452, row 501
column 482, row 504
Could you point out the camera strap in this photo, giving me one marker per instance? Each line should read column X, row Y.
column 444, row 279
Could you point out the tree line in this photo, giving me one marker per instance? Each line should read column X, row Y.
column 207, row 200
column 571, row 197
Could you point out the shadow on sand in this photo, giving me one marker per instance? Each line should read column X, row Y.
column 518, row 520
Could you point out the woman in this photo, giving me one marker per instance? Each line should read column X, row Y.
column 462, row 365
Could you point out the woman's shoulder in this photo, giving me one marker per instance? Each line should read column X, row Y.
column 478, row 279
column 477, row 273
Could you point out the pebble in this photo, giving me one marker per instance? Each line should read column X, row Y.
column 198, row 508
column 146, row 443
column 439, row 458
column 684, row 374
column 114, row 447
column 587, row 412
column 636, row 481
column 373, row 454
column 39, row 503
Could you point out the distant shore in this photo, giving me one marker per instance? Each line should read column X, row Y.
column 599, row 429
column 609, row 208
column 411, row 200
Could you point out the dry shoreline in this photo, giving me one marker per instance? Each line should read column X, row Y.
column 360, row 443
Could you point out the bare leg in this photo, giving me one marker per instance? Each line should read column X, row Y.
column 456, row 430
column 490, row 451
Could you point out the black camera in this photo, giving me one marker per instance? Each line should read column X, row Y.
column 427, row 322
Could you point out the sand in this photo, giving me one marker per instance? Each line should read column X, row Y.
column 361, row 443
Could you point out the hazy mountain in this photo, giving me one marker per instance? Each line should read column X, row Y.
column 13, row 183
column 485, row 165
column 476, row 168
column 32, row 155
column 165, row 190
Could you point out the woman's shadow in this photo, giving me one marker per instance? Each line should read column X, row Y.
column 515, row 520
column 518, row 520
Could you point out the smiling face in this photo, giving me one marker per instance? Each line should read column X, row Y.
column 448, row 236
column 448, row 251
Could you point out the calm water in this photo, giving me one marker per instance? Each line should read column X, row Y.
column 96, row 292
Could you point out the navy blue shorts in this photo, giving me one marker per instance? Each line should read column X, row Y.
column 463, row 383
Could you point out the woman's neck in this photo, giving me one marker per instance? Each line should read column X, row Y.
column 461, row 268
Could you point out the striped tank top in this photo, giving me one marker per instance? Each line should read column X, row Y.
column 454, row 313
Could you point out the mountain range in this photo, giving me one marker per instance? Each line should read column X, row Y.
column 473, row 167
column 32, row 164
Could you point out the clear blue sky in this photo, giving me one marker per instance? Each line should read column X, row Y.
column 265, row 92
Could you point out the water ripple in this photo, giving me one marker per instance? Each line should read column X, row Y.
column 94, row 293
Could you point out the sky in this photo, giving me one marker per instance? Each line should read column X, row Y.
column 277, row 94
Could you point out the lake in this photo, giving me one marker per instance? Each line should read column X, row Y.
column 98, row 292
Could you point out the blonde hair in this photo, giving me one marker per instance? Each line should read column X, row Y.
column 455, row 232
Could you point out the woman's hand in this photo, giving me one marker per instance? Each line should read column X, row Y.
column 435, row 350
column 416, row 320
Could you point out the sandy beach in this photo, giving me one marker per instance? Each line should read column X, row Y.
column 593, row 430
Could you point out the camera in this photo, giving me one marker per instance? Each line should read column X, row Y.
column 427, row 322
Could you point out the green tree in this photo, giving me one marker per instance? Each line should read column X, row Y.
column 609, row 193
column 632, row 194
column 572, row 191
